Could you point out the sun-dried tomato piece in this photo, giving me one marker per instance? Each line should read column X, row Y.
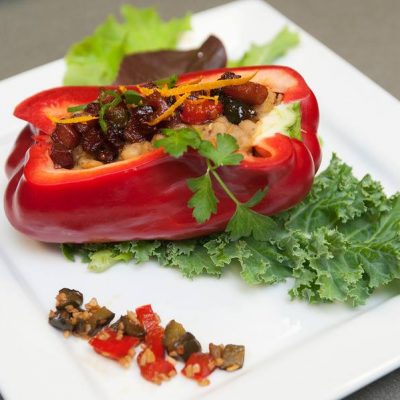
column 196, row 112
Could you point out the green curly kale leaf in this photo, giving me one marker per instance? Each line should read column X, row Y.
column 338, row 245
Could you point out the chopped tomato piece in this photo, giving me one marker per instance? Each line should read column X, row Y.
column 200, row 111
column 108, row 344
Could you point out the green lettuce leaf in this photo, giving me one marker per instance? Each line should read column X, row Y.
column 267, row 53
column 95, row 60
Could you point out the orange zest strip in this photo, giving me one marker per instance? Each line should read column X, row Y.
column 170, row 110
column 74, row 120
column 146, row 91
column 206, row 86
column 215, row 98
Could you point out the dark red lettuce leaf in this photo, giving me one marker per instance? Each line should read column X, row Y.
column 153, row 65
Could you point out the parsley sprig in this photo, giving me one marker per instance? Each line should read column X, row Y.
column 245, row 222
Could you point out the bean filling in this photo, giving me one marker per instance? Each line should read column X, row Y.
column 123, row 124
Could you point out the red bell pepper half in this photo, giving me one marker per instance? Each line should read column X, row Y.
column 146, row 197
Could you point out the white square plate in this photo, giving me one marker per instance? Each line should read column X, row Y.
column 293, row 349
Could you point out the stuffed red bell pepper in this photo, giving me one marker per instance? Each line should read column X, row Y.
column 89, row 169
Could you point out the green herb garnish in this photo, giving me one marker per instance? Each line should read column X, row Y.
column 204, row 201
column 132, row 97
column 76, row 108
column 170, row 81
column 106, row 106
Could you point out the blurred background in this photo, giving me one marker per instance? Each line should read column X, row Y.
column 364, row 32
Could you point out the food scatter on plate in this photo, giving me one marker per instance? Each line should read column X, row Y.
column 160, row 348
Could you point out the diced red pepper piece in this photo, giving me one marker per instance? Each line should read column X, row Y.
column 154, row 331
column 200, row 111
column 147, row 317
column 199, row 366
column 155, row 370
column 154, row 341
column 109, row 345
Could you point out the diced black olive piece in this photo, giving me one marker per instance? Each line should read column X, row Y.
column 236, row 111
column 172, row 99
column 143, row 113
column 226, row 75
column 171, row 122
column 186, row 345
column 118, row 115
column 99, row 319
column 66, row 135
column 131, row 327
column 84, row 127
column 106, row 154
column 80, row 328
column 115, row 135
column 92, row 140
column 93, row 108
column 229, row 357
column 61, row 156
column 69, row 297
column 229, row 75
column 61, row 320
column 157, row 103
column 134, row 133
column 137, row 129
column 173, row 331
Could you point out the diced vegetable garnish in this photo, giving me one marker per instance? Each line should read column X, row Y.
column 113, row 344
column 68, row 297
column 173, row 331
column 154, row 331
column 70, row 317
column 61, row 320
column 185, row 346
column 179, row 343
column 229, row 357
column 199, row 366
column 155, row 370
column 118, row 341
column 130, row 325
